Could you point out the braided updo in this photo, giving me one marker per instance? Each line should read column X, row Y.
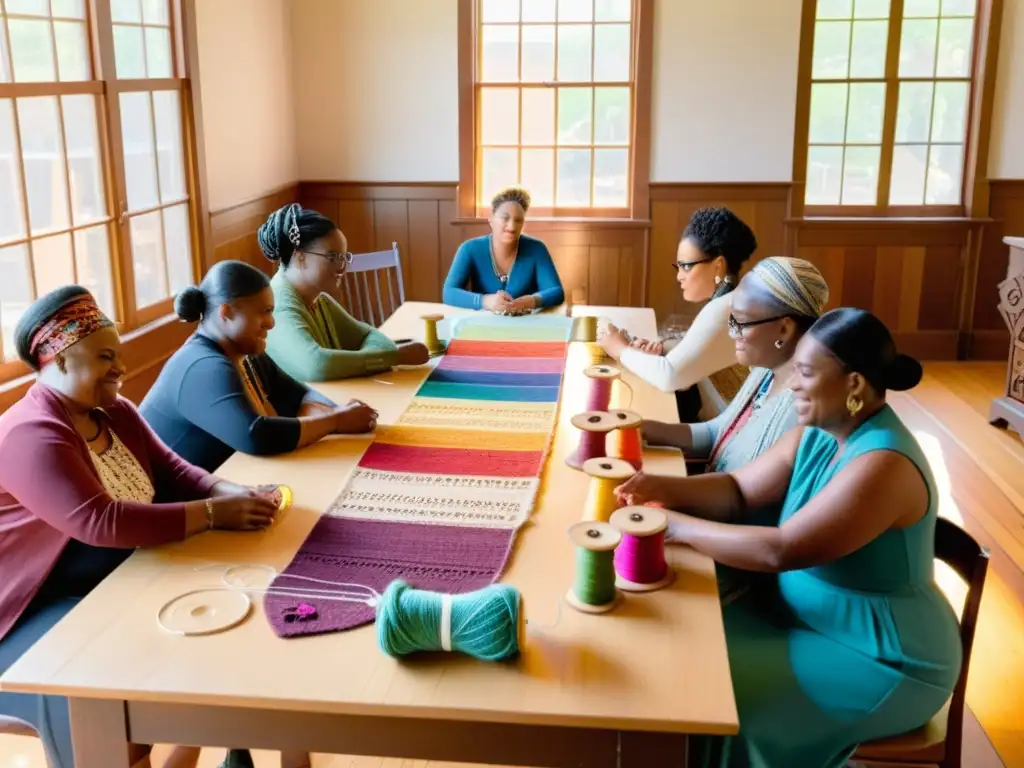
column 291, row 228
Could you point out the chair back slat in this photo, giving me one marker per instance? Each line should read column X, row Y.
column 391, row 291
column 365, row 292
column 376, row 289
column 379, row 265
column 347, row 283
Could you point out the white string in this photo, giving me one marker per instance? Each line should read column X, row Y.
column 446, row 622
column 342, row 591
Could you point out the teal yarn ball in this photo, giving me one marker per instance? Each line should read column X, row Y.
column 484, row 624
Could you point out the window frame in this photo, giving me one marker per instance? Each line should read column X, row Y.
column 106, row 87
column 980, row 80
column 470, row 150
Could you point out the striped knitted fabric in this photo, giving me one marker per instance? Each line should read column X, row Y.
column 437, row 497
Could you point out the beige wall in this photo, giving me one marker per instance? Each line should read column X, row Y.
column 724, row 95
column 245, row 73
column 376, row 89
column 1006, row 160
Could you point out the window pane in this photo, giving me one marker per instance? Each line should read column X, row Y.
column 158, row 52
column 32, row 51
column 611, row 116
column 178, row 242
column 12, row 215
column 575, row 10
column 28, row 7
column 611, row 53
column 955, row 39
column 92, row 255
column 538, row 175
column 574, row 53
column 155, row 12
column 15, row 293
column 538, row 54
column 920, row 8
column 860, row 175
column 824, row 175
column 499, row 116
column 539, row 10
column 834, row 9
column 867, row 105
column 868, row 56
column 612, row 10
column 573, row 187
column 539, row 117
column 499, row 10
column 828, row 113
column 73, row 55
column 831, row 50
column 499, row 170
column 611, row 166
column 908, row 172
column 945, row 172
column 574, row 116
column 959, row 7
column 87, row 199
column 917, row 48
column 148, row 258
column 53, row 263
column 871, row 9
column 500, row 54
column 139, row 157
column 5, row 75
column 170, row 145
column 68, row 9
column 125, row 10
column 949, row 124
column 43, row 153
column 129, row 54
column 913, row 116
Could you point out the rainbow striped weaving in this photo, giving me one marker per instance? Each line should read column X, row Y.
column 437, row 497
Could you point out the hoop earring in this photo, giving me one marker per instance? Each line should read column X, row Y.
column 854, row 404
column 779, row 343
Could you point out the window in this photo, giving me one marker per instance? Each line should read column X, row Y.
column 555, row 101
column 889, row 104
column 93, row 181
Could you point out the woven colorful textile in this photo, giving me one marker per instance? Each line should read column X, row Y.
column 437, row 497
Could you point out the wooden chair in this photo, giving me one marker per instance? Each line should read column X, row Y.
column 940, row 741
column 363, row 282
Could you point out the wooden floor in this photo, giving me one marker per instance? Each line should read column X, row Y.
column 980, row 472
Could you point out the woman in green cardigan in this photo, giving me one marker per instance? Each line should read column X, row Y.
column 314, row 338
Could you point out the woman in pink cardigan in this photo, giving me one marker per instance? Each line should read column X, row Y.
column 83, row 482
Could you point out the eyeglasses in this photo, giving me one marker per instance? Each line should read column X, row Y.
column 686, row 266
column 736, row 328
column 335, row 257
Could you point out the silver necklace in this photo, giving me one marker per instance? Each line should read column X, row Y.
column 494, row 262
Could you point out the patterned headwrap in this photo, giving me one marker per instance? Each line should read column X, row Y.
column 795, row 282
column 78, row 318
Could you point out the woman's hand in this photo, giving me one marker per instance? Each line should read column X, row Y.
column 313, row 409
column 613, row 341
column 642, row 489
column 657, row 432
column 522, row 305
column 242, row 512
column 355, row 418
column 412, row 353
column 650, row 347
column 495, row 302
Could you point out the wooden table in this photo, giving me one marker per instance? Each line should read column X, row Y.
column 620, row 689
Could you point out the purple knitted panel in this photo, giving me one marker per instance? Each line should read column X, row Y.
column 440, row 558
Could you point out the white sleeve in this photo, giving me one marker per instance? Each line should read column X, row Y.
column 706, row 348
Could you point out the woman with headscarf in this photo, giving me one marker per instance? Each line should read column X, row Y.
column 772, row 308
column 83, row 482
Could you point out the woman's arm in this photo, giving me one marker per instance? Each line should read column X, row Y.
column 357, row 335
column 287, row 395
column 872, row 494
column 454, row 293
column 550, row 292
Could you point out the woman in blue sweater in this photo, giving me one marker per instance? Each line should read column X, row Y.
column 505, row 271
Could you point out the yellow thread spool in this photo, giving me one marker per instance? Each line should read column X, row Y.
column 434, row 345
column 605, row 476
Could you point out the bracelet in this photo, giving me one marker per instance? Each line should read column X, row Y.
column 209, row 514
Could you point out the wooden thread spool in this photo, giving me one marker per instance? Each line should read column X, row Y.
column 434, row 345
column 593, row 426
column 640, row 558
column 593, row 589
column 600, row 379
column 585, row 329
column 605, row 476
column 625, row 441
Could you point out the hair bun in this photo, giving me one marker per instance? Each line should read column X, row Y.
column 190, row 304
column 903, row 373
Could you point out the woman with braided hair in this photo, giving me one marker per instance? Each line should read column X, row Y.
column 314, row 338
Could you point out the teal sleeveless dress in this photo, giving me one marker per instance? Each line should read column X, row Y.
column 861, row 648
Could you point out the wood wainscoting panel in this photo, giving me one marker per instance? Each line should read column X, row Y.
column 233, row 230
column 990, row 339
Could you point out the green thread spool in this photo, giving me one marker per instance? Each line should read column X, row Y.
column 585, row 329
column 593, row 589
column 485, row 624
column 433, row 344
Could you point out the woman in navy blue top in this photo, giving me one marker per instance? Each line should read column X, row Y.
column 505, row 271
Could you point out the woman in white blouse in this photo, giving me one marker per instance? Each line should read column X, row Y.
column 712, row 251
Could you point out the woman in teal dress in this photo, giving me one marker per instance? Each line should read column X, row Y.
column 851, row 640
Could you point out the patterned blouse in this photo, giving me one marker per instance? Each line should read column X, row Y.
column 121, row 474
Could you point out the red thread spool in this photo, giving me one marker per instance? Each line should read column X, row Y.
column 594, row 427
column 640, row 564
column 626, row 442
column 601, row 379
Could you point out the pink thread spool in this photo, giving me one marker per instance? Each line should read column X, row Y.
column 594, row 427
column 640, row 564
column 601, row 379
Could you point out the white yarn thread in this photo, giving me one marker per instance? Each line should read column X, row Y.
column 446, row 622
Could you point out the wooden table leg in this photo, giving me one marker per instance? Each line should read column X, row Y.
column 99, row 734
column 644, row 750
